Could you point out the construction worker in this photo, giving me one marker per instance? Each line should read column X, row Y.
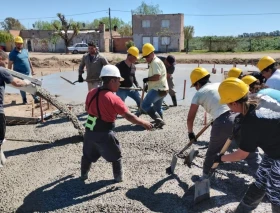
column 252, row 82
column 267, row 67
column 127, row 69
column 223, row 119
column 235, row 72
column 169, row 63
column 6, row 78
column 20, row 62
column 259, row 127
column 157, row 85
column 103, row 106
column 93, row 62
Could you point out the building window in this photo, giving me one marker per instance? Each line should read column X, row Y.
column 165, row 40
column 165, row 23
column 146, row 40
column 146, row 23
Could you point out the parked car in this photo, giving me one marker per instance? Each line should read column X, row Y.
column 78, row 48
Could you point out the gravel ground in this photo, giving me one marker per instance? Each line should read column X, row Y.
column 42, row 177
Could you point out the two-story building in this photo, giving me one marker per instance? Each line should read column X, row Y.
column 164, row 31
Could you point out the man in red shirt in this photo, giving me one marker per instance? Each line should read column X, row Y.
column 103, row 106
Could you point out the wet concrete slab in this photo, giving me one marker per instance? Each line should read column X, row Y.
column 76, row 94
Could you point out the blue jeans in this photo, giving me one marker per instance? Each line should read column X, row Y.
column 153, row 100
column 122, row 93
column 24, row 99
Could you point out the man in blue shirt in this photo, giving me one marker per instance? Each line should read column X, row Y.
column 19, row 59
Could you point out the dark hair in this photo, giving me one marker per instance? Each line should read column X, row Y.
column 3, row 55
column 107, row 79
column 272, row 67
column 91, row 44
column 203, row 81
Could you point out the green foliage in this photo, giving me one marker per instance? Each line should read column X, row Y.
column 129, row 44
column 125, row 30
column 12, row 24
column 44, row 25
column 188, row 32
column 147, row 9
column 105, row 20
column 234, row 44
column 5, row 37
column 54, row 38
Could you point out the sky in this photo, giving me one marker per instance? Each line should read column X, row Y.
column 202, row 14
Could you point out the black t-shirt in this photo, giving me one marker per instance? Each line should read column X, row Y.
column 5, row 77
column 170, row 69
column 260, row 127
column 128, row 73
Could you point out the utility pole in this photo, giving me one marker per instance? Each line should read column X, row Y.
column 111, row 40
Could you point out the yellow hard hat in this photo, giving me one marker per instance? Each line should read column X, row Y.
column 133, row 51
column 249, row 79
column 232, row 89
column 234, row 72
column 147, row 49
column 264, row 62
column 19, row 40
column 197, row 74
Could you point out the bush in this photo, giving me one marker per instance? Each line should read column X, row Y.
column 129, row 44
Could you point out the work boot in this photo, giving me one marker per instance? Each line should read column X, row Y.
column 24, row 101
column 85, row 167
column 275, row 208
column 174, row 100
column 156, row 117
column 117, row 171
column 251, row 199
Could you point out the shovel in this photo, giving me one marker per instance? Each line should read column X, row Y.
column 2, row 158
column 73, row 83
column 170, row 170
column 202, row 188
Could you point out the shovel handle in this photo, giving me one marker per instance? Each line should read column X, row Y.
column 224, row 149
column 196, row 137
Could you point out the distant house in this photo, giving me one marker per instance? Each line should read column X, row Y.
column 40, row 40
column 164, row 31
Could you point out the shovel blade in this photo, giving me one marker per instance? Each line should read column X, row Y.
column 173, row 163
column 2, row 158
column 190, row 157
column 202, row 190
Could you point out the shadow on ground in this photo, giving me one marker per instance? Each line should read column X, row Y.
column 41, row 147
column 67, row 191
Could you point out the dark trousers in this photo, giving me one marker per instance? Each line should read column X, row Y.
column 2, row 127
column 99, row 144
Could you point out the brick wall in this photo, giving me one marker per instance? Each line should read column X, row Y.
column 119, row 44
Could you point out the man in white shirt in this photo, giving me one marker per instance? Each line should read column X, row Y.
column 208, row 97
column 268, row 69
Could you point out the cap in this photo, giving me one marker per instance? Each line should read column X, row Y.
column 171, row 60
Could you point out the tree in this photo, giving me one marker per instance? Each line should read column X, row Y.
column 12, row 24
column 188, row 33
column 147, row 9
column 5, row 37
column 105, row 20
column 54, row 39
column 63, row 28
column 45, row 25
column 125, row 30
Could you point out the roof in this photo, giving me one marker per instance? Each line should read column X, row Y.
column 42, row 34
column 14, row 32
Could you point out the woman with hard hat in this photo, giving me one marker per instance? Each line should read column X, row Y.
column 259, row 127
column 252, row 82
column 235, row 72
column 208, row 97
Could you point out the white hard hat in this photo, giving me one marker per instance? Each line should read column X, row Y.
column 110, row 71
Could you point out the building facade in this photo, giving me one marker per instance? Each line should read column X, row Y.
column 164, row 31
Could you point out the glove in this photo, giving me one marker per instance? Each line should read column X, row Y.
column 80, row 79
column 27, row 82
column 145, row 80
column 192, row 136
column 218, row 158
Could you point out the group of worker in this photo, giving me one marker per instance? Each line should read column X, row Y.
column 252, row 123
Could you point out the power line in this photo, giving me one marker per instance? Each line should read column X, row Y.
column 77, row 14
column 244, row 14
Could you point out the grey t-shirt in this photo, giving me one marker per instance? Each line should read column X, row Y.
column 170, row 69
column 5, row 77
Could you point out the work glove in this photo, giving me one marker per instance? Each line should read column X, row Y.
column 27, row 82
column 218, row 158
column 145, row 80
column 192, row 136
column 80, row 79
